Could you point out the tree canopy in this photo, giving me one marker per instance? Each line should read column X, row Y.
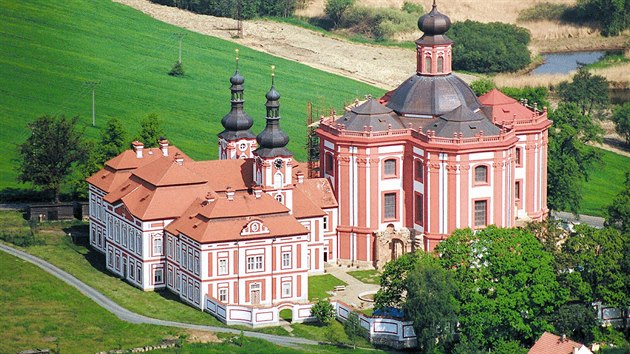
column 621, row 117
column 113, row 139
column 48, row 155
column 586, row 90
column 150, row 130
column 489, row 47
column 507, row 286
column 394, row 281
column 431, row 304
column 570, row 156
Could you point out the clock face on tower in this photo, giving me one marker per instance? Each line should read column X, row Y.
column 278, row 163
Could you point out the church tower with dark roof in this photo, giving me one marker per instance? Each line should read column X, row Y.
column 273, row 167
column 236, row 141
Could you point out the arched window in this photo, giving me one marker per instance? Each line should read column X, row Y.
column 277, row 180
column 427, row 64
column 440, row 64
column 280, row 198
column 481, row 174
column 389, row 167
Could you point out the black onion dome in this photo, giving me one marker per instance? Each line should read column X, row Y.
column 434, row 23
column 237, row 79
column 272, row 141
column 273, row 94
column 432, row 96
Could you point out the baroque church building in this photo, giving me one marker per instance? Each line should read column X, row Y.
column 239, row 236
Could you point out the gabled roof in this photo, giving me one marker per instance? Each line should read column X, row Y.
column 551, row 344
column 319, row 191
column 166, row 171
column 303, row 206
column 222, row 220
column 504, row 108
column 107, row 179
column 236, row 174
column 370, row 114
column 128, row 160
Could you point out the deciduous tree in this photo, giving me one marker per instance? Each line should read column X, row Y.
column 394, row 281
column 48, row 155
column 353, row 328
column 113, row 139
column 507, row 286
column 323, row 311
column 335, row 9
column 586, row 90
column 150, row 130
column 431, row 304
column 618, row 212
column 621, row 117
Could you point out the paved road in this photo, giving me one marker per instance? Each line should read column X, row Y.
column 594, row 221
column 133, row 317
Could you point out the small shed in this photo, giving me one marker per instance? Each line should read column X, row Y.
column 50, row 211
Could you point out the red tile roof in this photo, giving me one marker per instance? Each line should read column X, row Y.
column 128, row 160
column 225, row 173
column 551, row 344
column 166, row 171
column 504, row 108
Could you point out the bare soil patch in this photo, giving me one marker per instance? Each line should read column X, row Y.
column 195, row 336
column 385, row 67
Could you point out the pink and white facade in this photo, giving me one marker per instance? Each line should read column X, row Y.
column 429, row 157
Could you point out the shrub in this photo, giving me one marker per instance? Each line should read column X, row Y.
column 323, row 311
column 335, row 9
column 482, row 86
column 412, row 8
column 177, row 70
column 489, row 48
column 379, row 23
column 533, row 95
column 543, row 11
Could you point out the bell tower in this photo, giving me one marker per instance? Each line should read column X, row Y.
column 434, row 48
column 236, row 141
column 273, row 167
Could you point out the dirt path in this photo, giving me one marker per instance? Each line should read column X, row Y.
column 384, row 67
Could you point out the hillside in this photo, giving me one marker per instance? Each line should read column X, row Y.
column 51, row 48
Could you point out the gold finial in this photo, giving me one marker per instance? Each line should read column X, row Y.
column 236, row 51
column 273, row 74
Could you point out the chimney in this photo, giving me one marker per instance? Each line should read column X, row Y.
column 257, row 192
column 229, row 193
column 163, row 145
column 137, row 147
column 300, row 177
column 563, row 338
column 179, row 159
column 210, row 196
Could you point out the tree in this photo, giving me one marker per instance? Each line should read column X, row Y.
column 394, row 281
column 612, row 15
column 482, row 86
column 431, row 304
column 150, row 130
column 597, row 255
column 489, row 47
column 570, row 156
column 618, row 212
column 535, row 96
column 335, row 9
column 586, row 90
column 323, row 311
column 177, row 69
column 507, row 286
column 577, row 321
column 90, row 162
column 47, row 156
column 113, row 139
column 353, row 328
column 621, row 117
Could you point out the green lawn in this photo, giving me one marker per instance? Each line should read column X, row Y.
column 318, row 285
column 50, row 48
column 370, row 276
column 40, row 311
column 604, row 183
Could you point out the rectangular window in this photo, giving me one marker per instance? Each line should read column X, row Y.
column 286, row 260
column 110, row 258
column 481, row 174
column 138, row 243
column 419, row 209
column 132, row 264
column 124, row 236
column 158, row 277
column 157, row 246
column 190, row 260
column 223, row 266
column 419, row 171
column 518, row 156
column 139, row 273
column 197, row 265
column 390, row 206
column 390, row 167
column 255, row 263
column 190, row 290
column 223, row 295
column 117, row 262
column 481, row 212
column 325, row 223
column 286, row 289
column 517, row 190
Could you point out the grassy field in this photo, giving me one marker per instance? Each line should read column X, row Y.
column 319, row 285
column 40, row 311
column 51, row 48
column 604, row 183
column 370, row 276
